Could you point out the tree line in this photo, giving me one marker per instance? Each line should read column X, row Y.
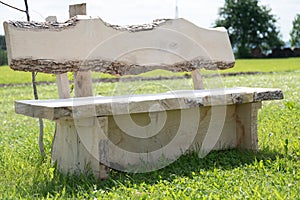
column 252, row 26
column 3, row 53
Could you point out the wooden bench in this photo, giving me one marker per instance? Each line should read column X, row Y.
column 133, row 132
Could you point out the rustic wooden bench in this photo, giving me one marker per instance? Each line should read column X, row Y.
column 133, row 132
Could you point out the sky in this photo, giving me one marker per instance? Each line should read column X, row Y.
column 124, row 12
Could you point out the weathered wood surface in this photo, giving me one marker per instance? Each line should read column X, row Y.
column 83, row 88
column 62, row 80
column 67, row 146
column 111, row 105
column 175, row 45
column 246, row 126
column 197, row 80
column 127, row 145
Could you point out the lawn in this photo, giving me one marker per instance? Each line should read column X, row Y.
column 242, row 65
column 265, row 65
column 272, row 173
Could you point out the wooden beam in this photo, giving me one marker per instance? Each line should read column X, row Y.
column 82, row 80
column 83, row 88
column 118, row 105
column 62, row 80
column 197, row 80
column 77, row 9
column 91, row 44
column 246, row 126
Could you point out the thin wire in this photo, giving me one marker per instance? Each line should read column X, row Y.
column 12, row 7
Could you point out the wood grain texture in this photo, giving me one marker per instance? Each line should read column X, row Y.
column 83, row 88
column 62, row 81
column 197, row 80
column 123, row 146
column 246, row 126
column 175, row 45
column 72, row 147
column 83, row 84
column 111, row 67
column 117, row 105
column 63, row 87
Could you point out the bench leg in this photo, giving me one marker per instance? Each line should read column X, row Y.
column 75, row 147
column 246, row 126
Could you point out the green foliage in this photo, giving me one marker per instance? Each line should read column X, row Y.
column 2, row 42
column 295, row 33
column 3, row 52
column 249, row 25
column 3, row 57
column 272, row 173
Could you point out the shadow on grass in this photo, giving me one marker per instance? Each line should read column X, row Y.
column 185, row 166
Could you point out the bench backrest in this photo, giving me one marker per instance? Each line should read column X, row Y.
column 82, row 44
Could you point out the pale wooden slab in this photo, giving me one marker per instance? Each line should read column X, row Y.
column 117, row 105
column 197, row 80
column 83, row 43
column 62, row 80
column 147, row 141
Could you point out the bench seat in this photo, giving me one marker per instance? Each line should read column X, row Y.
column 127, row 132
column 130, row 104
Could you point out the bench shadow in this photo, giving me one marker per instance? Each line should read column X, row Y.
column 189, row 164
column 186, row 166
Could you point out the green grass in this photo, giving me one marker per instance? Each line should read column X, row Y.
column 272, row 173
column 242, row 65
column 265, row 65
column 8, row 76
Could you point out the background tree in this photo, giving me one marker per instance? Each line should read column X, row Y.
column 295, row 33
column 249, row 26
column 3, row 57
column 3, row 53
column 2, row 42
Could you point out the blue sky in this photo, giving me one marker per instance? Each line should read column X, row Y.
column 201, row 12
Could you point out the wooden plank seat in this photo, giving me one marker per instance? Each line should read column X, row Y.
column 134, row 129
column 61, row 109
column 135, row 132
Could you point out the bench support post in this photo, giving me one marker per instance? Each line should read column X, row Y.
column 74, row 147
column 246, row 126
column 75, row 157
column 197, row 80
